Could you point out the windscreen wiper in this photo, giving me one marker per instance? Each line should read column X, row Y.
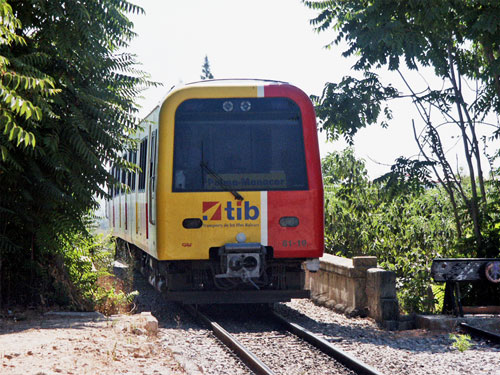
column 219, row 180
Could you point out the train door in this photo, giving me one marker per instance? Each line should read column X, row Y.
column 133, row 201
column 109, row 202
column 123, row 201
column 128, row 201
column 152, row 178
column 142, row 209
column 116, row 202
column 152, row 188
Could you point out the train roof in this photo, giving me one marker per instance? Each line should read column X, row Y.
column 235, row 82
column 219, row 82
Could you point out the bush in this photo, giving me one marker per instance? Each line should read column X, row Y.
column 86, row 277
column 461, row 342
column 404, row 233
column 404, row 223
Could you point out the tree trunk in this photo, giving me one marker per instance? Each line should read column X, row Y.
column 472, row 204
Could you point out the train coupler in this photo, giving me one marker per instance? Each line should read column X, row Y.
column 245, row 261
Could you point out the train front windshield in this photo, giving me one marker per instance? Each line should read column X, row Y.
column 238, row 144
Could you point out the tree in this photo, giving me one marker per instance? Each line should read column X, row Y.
column 205, row 70
column 399, row 221
column 460, row 41
column 16, row 89
column 82, row 91
column 349, row 199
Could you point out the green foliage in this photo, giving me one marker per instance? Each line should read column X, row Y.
column 86, row 259
column 84, row 254
column 382, row 33
column 491, row 218
column 17, row 88
column 461, row 342
column 109, row 301
column 205, row 70
column 67, row 110
column 352, row 104
column 405, row 228
column 460, row 41
column 85, row 281
column 348, row 201
column 438, row 290
column 343, row 169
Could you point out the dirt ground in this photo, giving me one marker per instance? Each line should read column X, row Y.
column 81, row 343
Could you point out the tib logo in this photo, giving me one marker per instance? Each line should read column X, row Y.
column 214, row 211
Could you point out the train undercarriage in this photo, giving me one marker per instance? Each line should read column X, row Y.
column 234, row 273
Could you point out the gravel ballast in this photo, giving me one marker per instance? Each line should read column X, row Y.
column 415, row 352
column 402, row 352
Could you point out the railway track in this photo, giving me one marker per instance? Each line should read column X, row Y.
column 481, row 333
column 258, row 347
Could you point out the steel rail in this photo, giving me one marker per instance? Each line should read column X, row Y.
column 482, row 333
column 248, row 358
column 339, row 355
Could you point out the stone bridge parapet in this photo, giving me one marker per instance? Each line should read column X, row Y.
column 356, row 287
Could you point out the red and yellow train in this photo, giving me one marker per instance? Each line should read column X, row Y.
column 228, row 206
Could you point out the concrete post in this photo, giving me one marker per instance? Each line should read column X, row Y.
column 381, row 296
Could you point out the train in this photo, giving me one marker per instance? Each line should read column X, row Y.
column 227, row 203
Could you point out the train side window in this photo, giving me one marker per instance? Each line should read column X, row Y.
column 117, row 180
column 111, row 187
column 152, row 160
column 123, row 173
column 134, row 174
column 152, row 177
column 129, row 173
column 143, row 150
column 116, row 188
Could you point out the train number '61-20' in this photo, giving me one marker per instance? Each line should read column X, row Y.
column 297, row 243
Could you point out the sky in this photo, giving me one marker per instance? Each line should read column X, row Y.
column 269, row 39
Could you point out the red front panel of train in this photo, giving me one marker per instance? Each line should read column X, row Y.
column 304, row 240
column 307, row 239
